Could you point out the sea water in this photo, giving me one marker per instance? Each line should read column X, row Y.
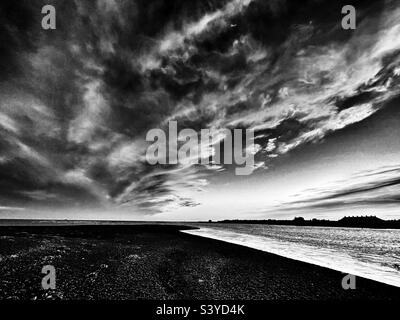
column 369, row 253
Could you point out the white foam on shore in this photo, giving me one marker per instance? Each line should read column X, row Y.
column 324, row 257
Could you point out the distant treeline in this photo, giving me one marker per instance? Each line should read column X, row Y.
column 351, row 222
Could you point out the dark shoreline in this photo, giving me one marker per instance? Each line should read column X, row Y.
column 370, row 222
column 159, row 262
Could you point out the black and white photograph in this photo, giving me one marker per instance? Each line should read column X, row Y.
column 199, row 150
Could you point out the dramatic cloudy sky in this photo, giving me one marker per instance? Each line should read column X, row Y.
column 76, row 104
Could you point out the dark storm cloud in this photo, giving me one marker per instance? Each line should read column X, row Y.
column 17, row 19
column 76, row 102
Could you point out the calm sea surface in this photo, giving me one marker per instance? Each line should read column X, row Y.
column 370, row 253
